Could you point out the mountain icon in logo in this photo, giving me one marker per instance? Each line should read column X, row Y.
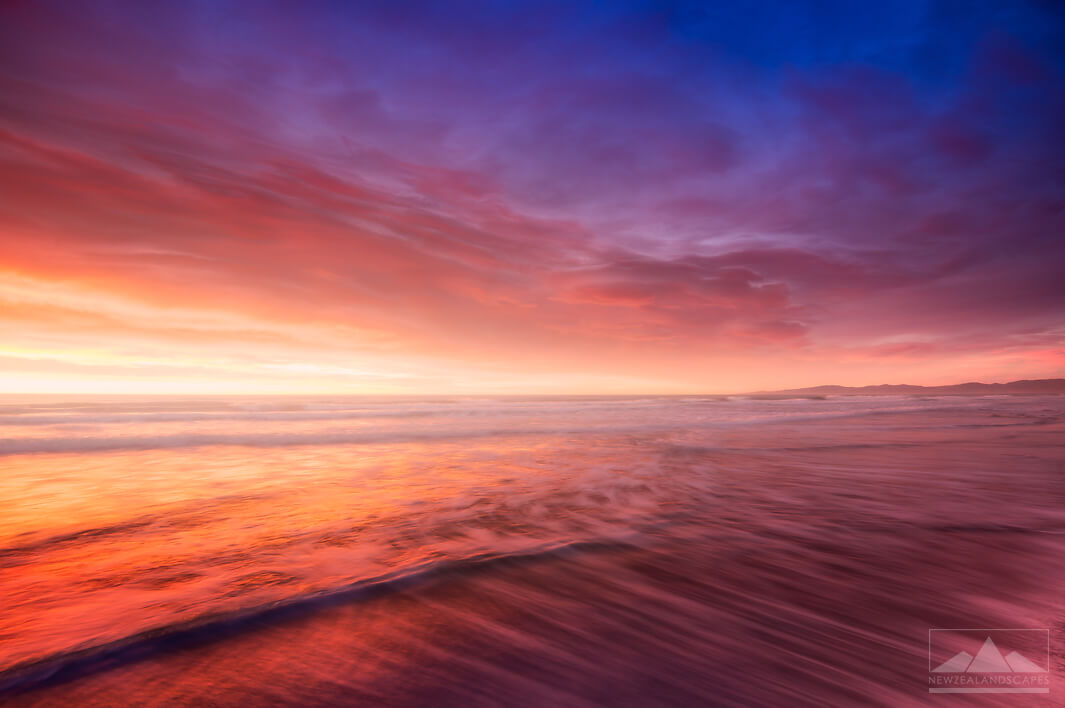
column 988, row 660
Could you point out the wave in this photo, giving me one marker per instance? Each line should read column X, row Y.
column 148, row 409
column 520, row 427
column 9, row 554
column 179, row 515
column 996, row 528
column 195, row 417
column 213, row 627
column 307, row 412
column 23, row 446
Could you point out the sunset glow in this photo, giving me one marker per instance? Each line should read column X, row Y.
column 528, row 353
column 215, row 197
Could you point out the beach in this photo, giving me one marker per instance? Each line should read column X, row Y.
column 520, row 551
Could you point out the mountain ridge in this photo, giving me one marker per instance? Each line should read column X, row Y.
column 971, row 388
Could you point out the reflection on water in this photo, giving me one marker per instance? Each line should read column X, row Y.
column 731, row 551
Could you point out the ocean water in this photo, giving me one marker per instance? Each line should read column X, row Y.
column 520, row 551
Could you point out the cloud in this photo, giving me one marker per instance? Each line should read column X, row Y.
column 537, row 187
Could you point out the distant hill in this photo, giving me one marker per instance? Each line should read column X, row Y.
column 1026, row 387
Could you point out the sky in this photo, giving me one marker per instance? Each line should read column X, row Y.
column 511, row 197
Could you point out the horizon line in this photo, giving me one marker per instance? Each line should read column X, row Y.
column 501, row 394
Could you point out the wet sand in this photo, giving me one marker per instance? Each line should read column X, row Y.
column 777, row 623
column 809, row 575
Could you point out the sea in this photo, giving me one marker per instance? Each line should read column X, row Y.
column 513, row 551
